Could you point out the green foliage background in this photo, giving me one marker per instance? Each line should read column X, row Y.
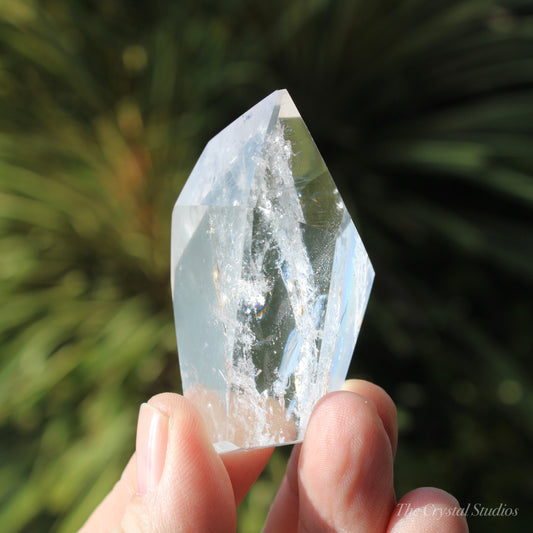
column 423, row 112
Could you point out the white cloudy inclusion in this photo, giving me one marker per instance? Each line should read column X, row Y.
column 270, row 279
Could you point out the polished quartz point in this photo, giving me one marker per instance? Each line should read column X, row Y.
column 270, row 279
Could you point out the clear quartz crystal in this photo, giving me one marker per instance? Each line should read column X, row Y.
column 270, row 279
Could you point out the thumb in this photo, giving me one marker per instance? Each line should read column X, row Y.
column 175, row 481
column 182, row 484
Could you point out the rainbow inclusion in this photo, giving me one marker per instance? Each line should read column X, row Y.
column 270, row 279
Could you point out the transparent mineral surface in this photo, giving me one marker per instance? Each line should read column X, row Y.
column 270, row 279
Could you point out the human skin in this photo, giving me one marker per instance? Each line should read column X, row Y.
column 340, row 479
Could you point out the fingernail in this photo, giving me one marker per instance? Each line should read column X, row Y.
column 151, row 447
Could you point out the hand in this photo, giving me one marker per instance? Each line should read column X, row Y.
column 339, row 479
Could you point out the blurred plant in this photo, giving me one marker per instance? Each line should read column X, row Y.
column 424, row 113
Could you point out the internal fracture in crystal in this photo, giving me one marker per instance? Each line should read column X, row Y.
column 270, row 279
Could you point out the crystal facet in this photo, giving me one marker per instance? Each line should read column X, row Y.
column 270, row 279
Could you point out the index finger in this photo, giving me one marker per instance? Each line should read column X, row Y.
column 384, row 405
column 371, row 414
